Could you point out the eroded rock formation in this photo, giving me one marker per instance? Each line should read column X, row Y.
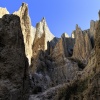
column 42, row 37
column 86, row 86
column 27, row 30
column 83, row 46
column 66, row 68
column 13, row 62
column 3, row 11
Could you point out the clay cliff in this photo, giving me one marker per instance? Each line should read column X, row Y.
column 36, row 65
column 82, row 46
column 3, row 11
column 28, row 31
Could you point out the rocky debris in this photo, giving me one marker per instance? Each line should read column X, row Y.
column 82, row 47
column 27, row 30
column 51, row 70
column 50, row 94
column 63, row 71
column 13, row 62
column 87, row 89
column 3, row 11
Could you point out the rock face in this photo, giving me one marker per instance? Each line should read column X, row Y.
column 42, row 37
column 3, row 11
column 27, row 30
column 68, row 61
column 81, row 88
column 13, row 62
column 68, row 45
column 91, row 82
column 82, row 47
column 50, row 72
column 41, row 41
column 64, row 47
column 42, row 29
column 93, row 25
column 97, row 46
column 66, row 68
column 53, row 68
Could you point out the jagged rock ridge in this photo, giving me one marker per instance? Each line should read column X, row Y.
column 27, row 29
column 3, row 11
column 58, row 68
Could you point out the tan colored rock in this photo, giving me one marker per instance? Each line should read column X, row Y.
column 58, row 51
column 92, row 80
column 52, row 62
column 27, row 30
column 68, row 44
column 64, row 47
column 97, row 46
column 42, row 28
column 42, row 37
column 92, row 91
column 51, row 70
column 13, row 62
column 33, row 32
column 3, row 11
column 92, row 31
column 82, row 47
column 73, row 34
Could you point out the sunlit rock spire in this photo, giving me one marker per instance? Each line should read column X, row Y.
column 3, row 11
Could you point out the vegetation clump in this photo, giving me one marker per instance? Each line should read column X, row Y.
column 78, row 87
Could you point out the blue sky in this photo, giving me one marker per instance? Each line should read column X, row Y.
column 61, row 15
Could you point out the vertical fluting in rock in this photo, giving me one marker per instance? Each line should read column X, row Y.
column 93, row 25
column 13, row 62
column 64, row 47
column 82, row 47
column 27, row 30
column 58, row 50
column 97, row 46
column 68, row 44
column 42, row 37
